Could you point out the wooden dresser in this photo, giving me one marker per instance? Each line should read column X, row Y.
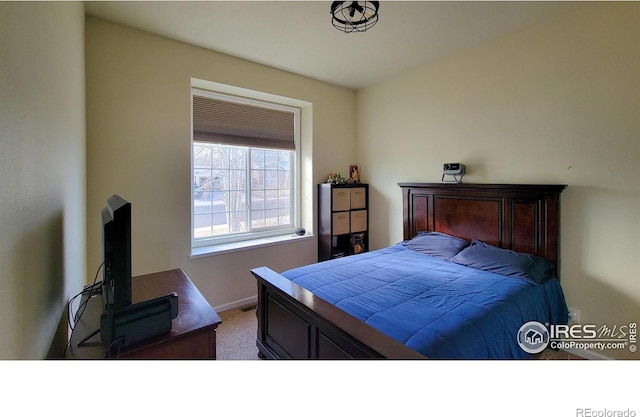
column 193, row 333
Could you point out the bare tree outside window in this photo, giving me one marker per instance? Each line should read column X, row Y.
column 221, row 201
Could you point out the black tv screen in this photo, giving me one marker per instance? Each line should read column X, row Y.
column 116, row 253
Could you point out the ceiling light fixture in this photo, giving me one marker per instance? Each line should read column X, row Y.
column 354, row 16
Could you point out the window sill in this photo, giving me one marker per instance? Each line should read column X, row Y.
column 244, row 245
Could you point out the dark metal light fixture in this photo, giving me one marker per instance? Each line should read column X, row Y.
column 354, row 16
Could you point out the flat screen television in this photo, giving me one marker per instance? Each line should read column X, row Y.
column 116, row 253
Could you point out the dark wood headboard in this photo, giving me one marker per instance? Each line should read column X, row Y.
column 521, row 217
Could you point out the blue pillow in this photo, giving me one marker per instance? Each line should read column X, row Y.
column 481, row 255
column 440, row 245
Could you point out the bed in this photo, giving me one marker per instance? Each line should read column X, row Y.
column 477, row 261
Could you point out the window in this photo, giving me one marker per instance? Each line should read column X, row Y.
column 245, row 169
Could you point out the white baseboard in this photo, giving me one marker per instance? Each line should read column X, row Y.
column 236, row 304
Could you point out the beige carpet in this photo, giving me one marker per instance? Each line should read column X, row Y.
column 236, row 335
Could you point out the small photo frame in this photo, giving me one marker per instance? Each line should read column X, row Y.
column 354, row 174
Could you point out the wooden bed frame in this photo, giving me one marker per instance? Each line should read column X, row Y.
column 293, row 323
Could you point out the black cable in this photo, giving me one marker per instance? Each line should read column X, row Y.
column 90, row 290
column 87, row 337
column 119, row 341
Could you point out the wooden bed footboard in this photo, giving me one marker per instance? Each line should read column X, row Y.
column 295, row 324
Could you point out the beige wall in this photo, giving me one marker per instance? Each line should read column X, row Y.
column 554, row 103
column 42, row 173
column 138, row 146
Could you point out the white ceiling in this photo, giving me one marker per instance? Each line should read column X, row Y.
column 297, row 36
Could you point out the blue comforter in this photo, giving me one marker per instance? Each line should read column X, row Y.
column 441, row 309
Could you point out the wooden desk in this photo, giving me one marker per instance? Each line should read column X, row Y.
column 193, row 332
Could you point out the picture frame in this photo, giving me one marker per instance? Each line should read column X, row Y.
column 354, row 174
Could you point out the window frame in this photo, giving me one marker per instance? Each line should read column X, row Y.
column 250, row 237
